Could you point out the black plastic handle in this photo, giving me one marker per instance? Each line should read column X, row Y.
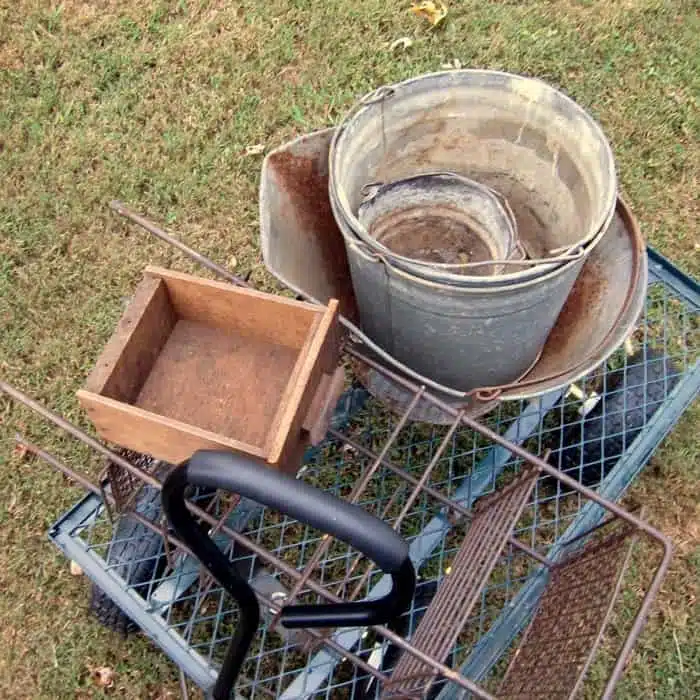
column 346, row 521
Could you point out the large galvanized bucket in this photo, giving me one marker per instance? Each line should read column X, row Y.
column 522, row 138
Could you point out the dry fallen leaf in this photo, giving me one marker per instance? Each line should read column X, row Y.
column 103, row 676
column 255, row 150
column 21, row 451
column 75, row 569
column 433, row 12
column 164, row 695
column 12, row 504
column 403, row 43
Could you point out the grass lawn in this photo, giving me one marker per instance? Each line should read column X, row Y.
column 163, row 105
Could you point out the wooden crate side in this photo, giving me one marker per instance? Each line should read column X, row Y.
column 320, row 412
column 146, row 432
column 319, row 357
column 135, row 344
column 271, row 318
column 280, row 411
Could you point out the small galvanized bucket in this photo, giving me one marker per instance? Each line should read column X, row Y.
column 441, row 226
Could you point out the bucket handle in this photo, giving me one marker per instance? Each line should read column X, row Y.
column 384, row 92
column 379, row 95
column 556, row 255
column 576, row 253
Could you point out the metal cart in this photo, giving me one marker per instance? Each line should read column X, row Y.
column 520, row 566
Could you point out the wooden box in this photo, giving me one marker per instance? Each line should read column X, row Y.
column 198, row 364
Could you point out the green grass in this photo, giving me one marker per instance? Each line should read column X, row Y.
column 156, row 104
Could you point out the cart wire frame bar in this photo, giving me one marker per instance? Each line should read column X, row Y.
column 304, row 579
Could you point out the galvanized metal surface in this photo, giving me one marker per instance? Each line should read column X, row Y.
column 518, row 135
column 300, row 240
column 523, row 139
column 396, row 397
column 600, row 312
column 462, row 337
column 442, row 227
column 306, row 255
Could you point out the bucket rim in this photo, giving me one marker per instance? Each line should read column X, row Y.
column 434, row 270
column 338, row 195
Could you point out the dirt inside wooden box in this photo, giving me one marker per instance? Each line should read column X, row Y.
column 224, row 382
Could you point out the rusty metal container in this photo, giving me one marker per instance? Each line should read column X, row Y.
column 303, row 248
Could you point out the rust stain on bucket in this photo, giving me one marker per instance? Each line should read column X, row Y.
column 307, row 189
column 588, row 290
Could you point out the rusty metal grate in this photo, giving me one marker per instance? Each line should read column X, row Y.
column 494, row 518
column 125, row 484
column 574, row 610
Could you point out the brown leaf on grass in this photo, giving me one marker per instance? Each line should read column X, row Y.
column 433, row 12
column 102, row 676
column 255, row 150
column 21, row 451
column 164, row 695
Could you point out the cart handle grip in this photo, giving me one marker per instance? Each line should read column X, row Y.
column 346, row 521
